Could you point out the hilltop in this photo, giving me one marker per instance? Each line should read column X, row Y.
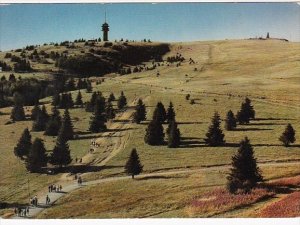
column 84, row 59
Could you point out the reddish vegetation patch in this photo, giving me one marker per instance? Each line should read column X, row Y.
column 220, row 200
column 286, row 207
column 291, row 181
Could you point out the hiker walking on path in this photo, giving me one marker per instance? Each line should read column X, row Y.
column 60, row 187
column 47, row 200
column 79, row 180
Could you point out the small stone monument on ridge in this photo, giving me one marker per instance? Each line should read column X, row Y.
column 105, row 29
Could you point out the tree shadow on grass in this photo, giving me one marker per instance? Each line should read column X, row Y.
column 271, row 118
column 121, row 129
column 189, row 123
column 156, row 177
column 122, row 121
column 251, row 129
column 88, row 137
column 264, row 124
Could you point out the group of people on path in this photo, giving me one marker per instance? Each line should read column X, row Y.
column 79, row 179
column 21, row 211
column 54, row 188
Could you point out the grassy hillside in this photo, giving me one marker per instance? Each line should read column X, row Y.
column 222, row 75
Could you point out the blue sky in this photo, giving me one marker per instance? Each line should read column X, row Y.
column 25, row 24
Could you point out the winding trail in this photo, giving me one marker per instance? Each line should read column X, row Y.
column 54, row 196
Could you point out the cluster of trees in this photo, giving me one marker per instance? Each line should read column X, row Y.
column 244, row 115
column 5, row 66
column 155, row 131
column 176, row 58
column 35, row 155
column 63, row 101
column 27, row 90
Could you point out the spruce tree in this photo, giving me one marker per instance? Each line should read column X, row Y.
column 160, row 113
column 39, row 123
column 173, row 135
column 24, row 144
column 64, row 101
column 133, row 165
column 56, row 99
column 17, row 112
column 67, row 126
column 37, row 157
column 91, row 104
column 170, row 113
column 53, row 123
column 230, row 121
column 111, row 97
column 122, row 101
column 109, row 111
column 154, row 133
column 140, row 112
column 89, row 87
column 244, row 173
column 215, row 136
column 70, row 102
column 288, row 136
column 35, row 111
column 97, row 123
column 79, row 99
column 246, row 112
column 61, row 153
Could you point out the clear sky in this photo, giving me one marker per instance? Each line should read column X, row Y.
column 25, row 24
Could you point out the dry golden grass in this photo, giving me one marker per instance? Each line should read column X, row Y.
column 227, row 71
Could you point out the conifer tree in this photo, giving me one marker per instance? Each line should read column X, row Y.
column 246, row 112
column 111, row 97
column 89, row 87
column 154, row 133
column 109, row 111
column 53, row 123
column 37, row 157
column 67, row 126
column 98, row 119
column 215, row 136
column 56, row 99
column 173, row 135
column 70, row 102
column 35, row 111
column 90, row 105
column 170, row 113
column 244, row 173
column 288, row 136
column 39, row 123
column 24, row 144
column 61, row 153
column 44, row 113
column 159, row 113
column 133, row 165
column 79, row 99
column 70, row 85
column 230, row 121
column 17, row 112
column 64, row 101
column 122, row 101
column 41, row 120
column 140, row 112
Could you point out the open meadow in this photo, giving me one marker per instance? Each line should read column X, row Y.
column 187, row 181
